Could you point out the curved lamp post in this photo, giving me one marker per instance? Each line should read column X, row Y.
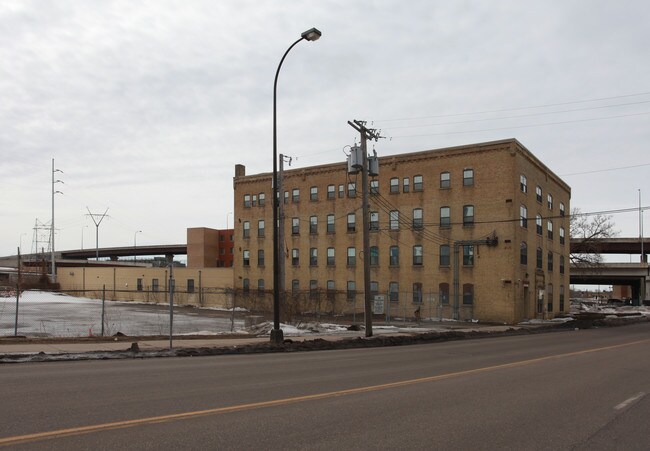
column 276, row 334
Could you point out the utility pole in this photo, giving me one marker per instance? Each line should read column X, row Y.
column 366, row 134
column 641, row 227
column 52, row 222
column 97, row 223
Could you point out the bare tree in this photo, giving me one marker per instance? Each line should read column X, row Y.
column 587, row 232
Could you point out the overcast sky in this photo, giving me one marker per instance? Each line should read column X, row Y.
column 147, row 106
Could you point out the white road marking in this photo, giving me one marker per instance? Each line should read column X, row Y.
column 629, row 401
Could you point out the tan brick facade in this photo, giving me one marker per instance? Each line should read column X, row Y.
column 479, row 184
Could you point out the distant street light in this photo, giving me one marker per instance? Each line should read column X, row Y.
column 82, row 236
column 276, row 334
column 135, row 243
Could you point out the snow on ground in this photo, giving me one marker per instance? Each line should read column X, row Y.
column 48, row 314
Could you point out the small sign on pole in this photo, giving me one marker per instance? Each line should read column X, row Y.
column 378, row 304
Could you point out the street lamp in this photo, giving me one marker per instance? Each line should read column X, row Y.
column 135, row 235
column 276, row 334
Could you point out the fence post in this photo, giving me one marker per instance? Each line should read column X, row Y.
column 103, row 306
column 17, row 296
column 171, row 305
column 232, row 314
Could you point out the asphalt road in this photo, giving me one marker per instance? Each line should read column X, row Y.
column 584, row 389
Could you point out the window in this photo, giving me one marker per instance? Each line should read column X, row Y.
column 352, row 222
column 468, row 294
column 260, row 257
column 330, row 256
column 468, row 177
column 341, row 190
column 254, row 203
column 406, row 185
column 394, row 185
column 561, row 235
column 561, row 298
column 445, row 217
column 549, row 201
column 295, row 257
column 539, row 225
column 549, row 298
column 246, row 285
column 331, row 191
column 352, row 189
column 417, row 293
column 352, row 256
column 331, row 291
column 538, row 193
column 374, row 256
column 523, row 253
column 417, row 255
column 549, row 229
column 260, row 228
column 286, row 197
column 445, row 253
column 139, row 285
column 550, row 262
column 351, row 290
column 393, row 256
column 394, row 220
column 468, row 255
column 313, row 256
column 247, row 257
column 260, row 286
column 393, row 291
column 247, row 200
column 295, row 286
column 295, row 226
column 330, row 223
column 313, row 193
column 374, row 186
column 418, row 184
column 295, row 195
column 468, row 215
column 262, row 198
column 374, row 288
column 443, row 288
column 374, row 220
column 445, row 180
column 523, row 216
column 561, row 264
column 562, row 211
column 313, row 289
column 539, row 258
column 417, row 218
column 313, row 224
column 523, row 184
column 247, row 229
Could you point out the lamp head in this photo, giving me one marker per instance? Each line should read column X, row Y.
column 311, row 35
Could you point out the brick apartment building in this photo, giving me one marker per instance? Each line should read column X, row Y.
column 472, row 232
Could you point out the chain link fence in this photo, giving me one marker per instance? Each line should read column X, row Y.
column 343, row 307
column 79, row 313
column 149, row 311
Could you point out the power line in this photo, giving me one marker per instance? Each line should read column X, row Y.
column 545, row 113
column 606, row 170
column 516, row 108
column 522, row 126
